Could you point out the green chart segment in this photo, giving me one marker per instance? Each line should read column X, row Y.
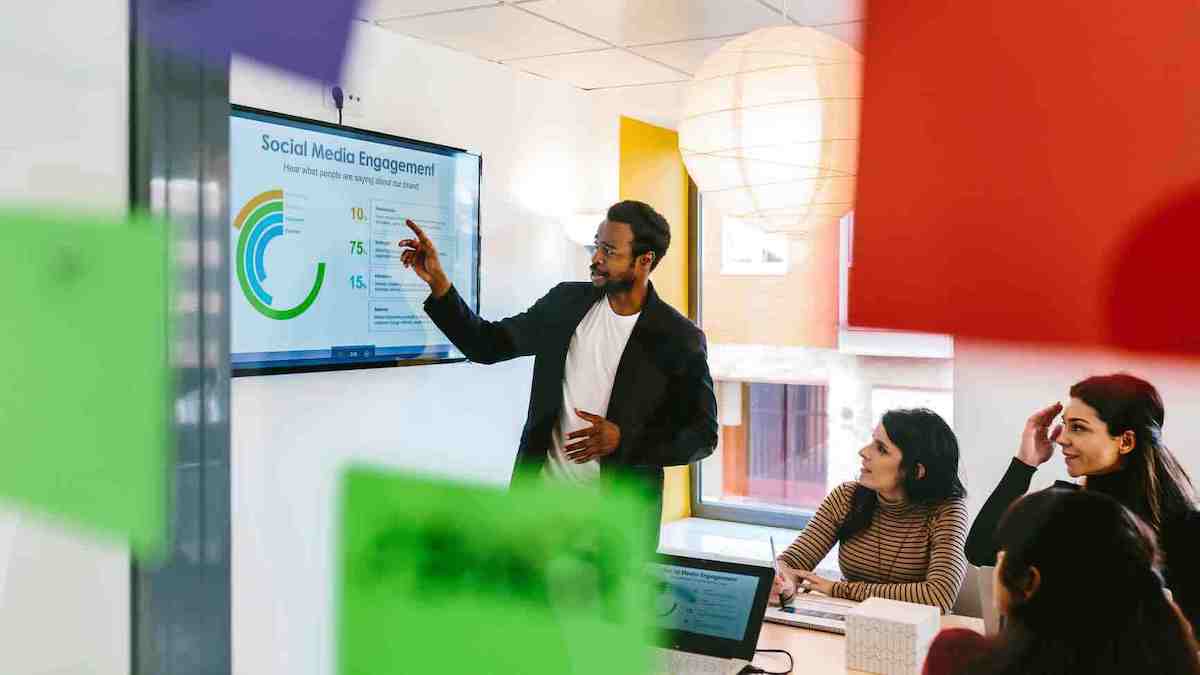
column 261, row 221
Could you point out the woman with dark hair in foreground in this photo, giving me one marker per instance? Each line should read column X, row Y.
column 1076, row 582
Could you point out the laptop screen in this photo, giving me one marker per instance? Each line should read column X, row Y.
column 710, row 607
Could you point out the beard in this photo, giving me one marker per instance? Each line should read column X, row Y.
column 616, row 283
column 616, row 286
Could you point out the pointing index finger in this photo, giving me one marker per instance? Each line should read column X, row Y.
column 418, row 231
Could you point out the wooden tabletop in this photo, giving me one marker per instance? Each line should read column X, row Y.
column 818, row 652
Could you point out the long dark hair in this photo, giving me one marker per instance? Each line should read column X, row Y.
column 1181, row 558
column 1099, row 606
column 923, row 438
column 1151, row 482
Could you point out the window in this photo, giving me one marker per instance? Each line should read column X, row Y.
column 777, row 456
column 798, row 391
column 747, row 250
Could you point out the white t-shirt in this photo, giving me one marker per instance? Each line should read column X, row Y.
column 592, row 360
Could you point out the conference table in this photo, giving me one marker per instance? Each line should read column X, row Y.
column 817, row 652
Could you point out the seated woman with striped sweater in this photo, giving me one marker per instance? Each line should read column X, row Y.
column 901, row 527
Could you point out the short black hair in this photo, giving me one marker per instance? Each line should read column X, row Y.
column 651, row 232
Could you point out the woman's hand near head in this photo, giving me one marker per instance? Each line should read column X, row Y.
column 1037, row 440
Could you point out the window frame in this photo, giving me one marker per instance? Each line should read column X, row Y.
column 765, row 515
column 792, row 519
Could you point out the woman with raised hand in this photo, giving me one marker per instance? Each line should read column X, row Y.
column 1111, row 437
column 1076, row 581
column 900, row 526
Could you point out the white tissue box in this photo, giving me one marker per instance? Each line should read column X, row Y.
column 890, row 637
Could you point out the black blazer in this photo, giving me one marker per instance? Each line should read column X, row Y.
column 662, row 395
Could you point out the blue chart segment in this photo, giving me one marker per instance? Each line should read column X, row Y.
column 266, row 230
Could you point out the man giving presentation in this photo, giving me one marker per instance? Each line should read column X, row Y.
column 620, row 379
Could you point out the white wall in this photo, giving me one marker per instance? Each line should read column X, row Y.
column 998, row 386
column 64, row 595
column 547, row 150
column 64, row 73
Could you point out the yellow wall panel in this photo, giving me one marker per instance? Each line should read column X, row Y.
column 652, row 171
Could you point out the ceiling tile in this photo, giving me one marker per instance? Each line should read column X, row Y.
column 495, row 33
column 605, row 68
column 636, row 22
column 660, row 104
column 850, row 33
column 819, row 12
column 381, row 10
column 686, row 56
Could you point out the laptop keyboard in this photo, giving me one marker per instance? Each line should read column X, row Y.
column 811, row 611
column 673, row 662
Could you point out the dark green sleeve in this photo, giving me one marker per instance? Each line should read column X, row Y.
column 981, row 542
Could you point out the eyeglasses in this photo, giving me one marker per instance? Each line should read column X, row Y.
column 606, row 251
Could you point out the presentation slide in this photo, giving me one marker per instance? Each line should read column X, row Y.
column 711, row 603
column 318, row 212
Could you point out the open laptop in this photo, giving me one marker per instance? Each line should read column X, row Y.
column 708, row 612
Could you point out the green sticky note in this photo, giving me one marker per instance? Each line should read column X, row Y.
column 83, row 406
column 444, row 577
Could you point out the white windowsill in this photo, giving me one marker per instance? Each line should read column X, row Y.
column 703, row 538
column 867, row 342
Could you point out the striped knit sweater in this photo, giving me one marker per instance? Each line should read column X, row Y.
column 909, row 552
